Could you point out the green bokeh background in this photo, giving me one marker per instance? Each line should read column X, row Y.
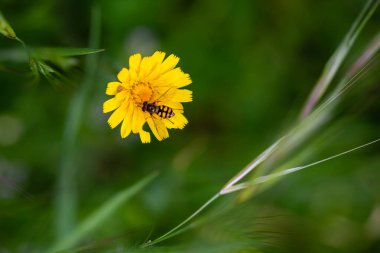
column 253, row 64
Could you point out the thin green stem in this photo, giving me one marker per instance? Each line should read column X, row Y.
column 266, row 178
column 174, row 231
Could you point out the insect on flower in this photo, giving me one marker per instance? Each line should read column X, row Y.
column 163, row 111
column 148, row 92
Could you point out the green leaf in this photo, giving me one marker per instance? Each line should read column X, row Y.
column 99, row 216
column 44, row 52
column 6, row 29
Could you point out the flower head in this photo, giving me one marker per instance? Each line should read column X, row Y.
column 149, row 91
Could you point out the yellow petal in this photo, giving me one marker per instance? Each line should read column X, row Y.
column 117, row 116
column 182, row 96
column 163, row 94
column 153, row 128
column 112, row 88
column 123, row 75
column 111, row 104
column 169, row 63
column 146, row 67
column 169, row 123
column 133, row 76
column 158, row 128
column 122, row 95
column 133, row 120
column 125, row 129
column 183, row 80
column 175, row 77
column 158, row 57
column 156, row 60
column 179, row 121
column 134, row 63
column 138, row 120
column 144, row 136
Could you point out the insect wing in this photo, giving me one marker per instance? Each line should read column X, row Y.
column 165, row 94
column 158, row 127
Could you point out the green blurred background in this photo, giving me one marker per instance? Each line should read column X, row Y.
column 253, row 64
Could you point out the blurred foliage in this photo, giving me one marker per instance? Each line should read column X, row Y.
column 253, row 64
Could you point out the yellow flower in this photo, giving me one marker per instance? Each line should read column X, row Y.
column 149, row 91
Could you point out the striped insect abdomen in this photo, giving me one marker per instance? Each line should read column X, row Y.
column 164, row 112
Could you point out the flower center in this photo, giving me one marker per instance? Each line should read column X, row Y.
column 141, row 92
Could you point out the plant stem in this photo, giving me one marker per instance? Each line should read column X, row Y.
column 172, row 231
column 266, row 178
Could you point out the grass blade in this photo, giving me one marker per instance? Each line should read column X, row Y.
column 99, row 216
column 314, row 118
column 47, row 52
column 338, row 57
column 65, row 206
